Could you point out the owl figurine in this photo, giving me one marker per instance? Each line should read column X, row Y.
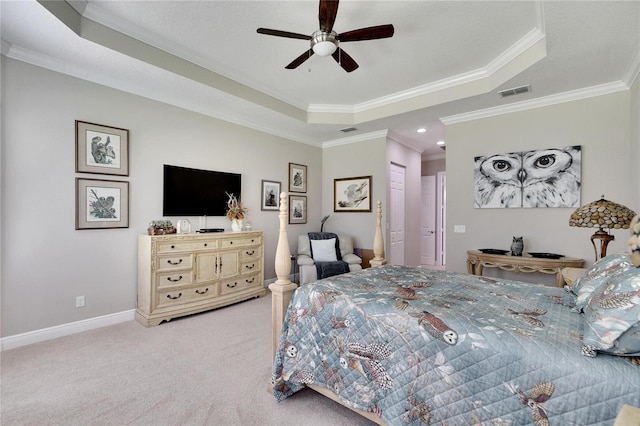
column 517, row 246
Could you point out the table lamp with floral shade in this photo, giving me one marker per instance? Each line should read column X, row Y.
column 602, row 214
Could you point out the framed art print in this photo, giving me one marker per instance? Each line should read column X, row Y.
column 101, row 149
column 270, row 195
column 297, row 209
column 297, row 178
column 102, row 204
column 553, row 179
column 352, row 194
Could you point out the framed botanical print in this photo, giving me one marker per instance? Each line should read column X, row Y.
column 101, row 149
column 297, row 209
column 297, row 178
column 352, row 194
column 270, row 195
column 102, row 204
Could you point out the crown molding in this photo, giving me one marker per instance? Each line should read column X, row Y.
column 434, row 157
column 357, row 138
column 634, row 70
column 574, row 95
column 62, row 67
column 404, row 141
column 514, row 52
column 5, row 47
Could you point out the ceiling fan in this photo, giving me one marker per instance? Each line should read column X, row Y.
column 325, row 41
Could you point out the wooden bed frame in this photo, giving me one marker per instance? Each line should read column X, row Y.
column 282, row 289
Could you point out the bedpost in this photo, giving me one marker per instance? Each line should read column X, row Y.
column 282, row 289
column 378, row 242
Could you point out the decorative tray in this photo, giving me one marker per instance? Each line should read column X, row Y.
column 546, row 255
column 493, row 251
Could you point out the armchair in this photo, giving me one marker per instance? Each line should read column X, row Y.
column 308, row 267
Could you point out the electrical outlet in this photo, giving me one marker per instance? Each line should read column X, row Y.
column 79, row 301
column 459, row 228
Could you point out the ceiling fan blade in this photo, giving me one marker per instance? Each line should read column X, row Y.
column 345, row 61
column 286, row 34
column 369, row 33
column 327, row 14
column 300, row 59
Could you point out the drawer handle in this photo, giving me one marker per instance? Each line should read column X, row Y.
column 251, row 253
column 250, row 281
column 205, row 244
column 202, row 292
column 253, row 265
column 232, row 286
column 173, row 246
column 174, row 263
column 174, row 280
column 174, row 297
column 230, row 242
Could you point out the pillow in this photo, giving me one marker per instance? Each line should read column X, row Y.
column 324, row 250
column 634, row 240
column 612, row 316
column 594, row 277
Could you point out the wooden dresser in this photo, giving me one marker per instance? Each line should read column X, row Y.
column 182, row 274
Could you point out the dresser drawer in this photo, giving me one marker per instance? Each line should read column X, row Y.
column 180, row 297
column 250, row 266
column 172, row 279
column 239, row 284
column 240, row 242
column 186, row 246
column 174, row 262
column 250, row 253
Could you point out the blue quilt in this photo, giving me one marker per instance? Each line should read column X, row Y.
column 419, row 346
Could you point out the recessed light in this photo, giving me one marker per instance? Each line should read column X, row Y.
column 440, row 143
column 422, row 130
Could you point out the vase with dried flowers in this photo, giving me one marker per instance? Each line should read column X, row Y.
column 235, row 212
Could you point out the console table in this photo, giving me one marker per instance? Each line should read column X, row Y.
column 477, row 261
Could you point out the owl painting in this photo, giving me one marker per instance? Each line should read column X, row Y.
column 541, row 178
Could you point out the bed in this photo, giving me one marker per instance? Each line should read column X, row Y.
column 406, row 345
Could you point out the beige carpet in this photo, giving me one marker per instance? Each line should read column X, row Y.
column 206, row 369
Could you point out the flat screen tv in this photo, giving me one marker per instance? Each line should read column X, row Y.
column 195, row 192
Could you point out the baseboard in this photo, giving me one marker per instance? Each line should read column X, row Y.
column 45, row 334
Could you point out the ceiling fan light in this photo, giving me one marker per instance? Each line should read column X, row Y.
column 324, row 44
column 324, row 48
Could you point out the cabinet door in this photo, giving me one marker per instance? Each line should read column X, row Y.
column 227, row 264
column 207, row 269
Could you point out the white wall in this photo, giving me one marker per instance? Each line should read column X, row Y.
column 46, row 263
column 601, row 125
column 401, row 155
column 365, row 158
column 432, row 167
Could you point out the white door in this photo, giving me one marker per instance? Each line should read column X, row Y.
column 441, row 247
column 397, row 214
column 428, row 221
